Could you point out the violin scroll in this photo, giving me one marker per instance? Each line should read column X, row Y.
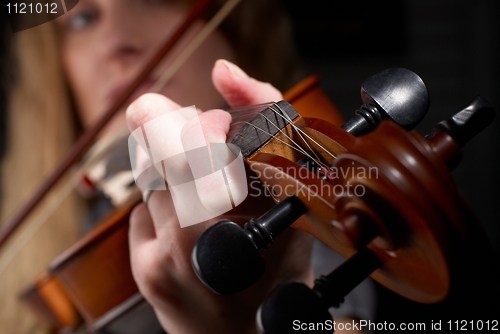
column 412, row 221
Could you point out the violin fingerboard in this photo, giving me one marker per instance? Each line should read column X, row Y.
column 264, row 126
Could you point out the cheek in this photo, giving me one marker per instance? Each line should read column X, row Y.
column 194, row 79
column 84, row 85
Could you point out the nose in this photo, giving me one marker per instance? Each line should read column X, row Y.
column 120, row 42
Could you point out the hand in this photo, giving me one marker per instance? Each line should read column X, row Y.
column 160, row 249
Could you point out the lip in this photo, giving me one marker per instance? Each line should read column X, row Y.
column 117, row 92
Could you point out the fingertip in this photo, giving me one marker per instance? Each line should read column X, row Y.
column 227, row 79
column 220, row 191
column 223, row 66
column 148, row 107
column 216, row 124
column 211, row 126
column 238, row 89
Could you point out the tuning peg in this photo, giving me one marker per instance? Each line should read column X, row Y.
column 293, row 300
column 396, row 94
column 226, row 258
column 467, row 123
column 449, row 136
column 288, row 302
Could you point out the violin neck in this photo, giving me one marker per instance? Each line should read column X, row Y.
column 259, row 124
column 242, row 115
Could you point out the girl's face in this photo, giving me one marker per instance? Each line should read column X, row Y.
column 105, row 44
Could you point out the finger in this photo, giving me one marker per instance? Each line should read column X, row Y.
column 214, row 125
column 156, row 123
column 144, row 251
column 162, row 121
column 148, row 107
column 219, row 178
column 141, row 229
column 238, row 89
column 163, row 213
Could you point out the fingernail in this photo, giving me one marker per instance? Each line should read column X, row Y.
column 235, row 70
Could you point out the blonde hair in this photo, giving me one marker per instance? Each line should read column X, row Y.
column 41, row 129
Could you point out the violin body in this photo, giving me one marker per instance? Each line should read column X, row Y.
column 49, row 300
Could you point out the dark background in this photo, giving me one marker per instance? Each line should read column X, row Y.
column 454, row 46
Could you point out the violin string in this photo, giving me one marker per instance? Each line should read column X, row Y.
column 298, row 130
column 281, row 130
column 286, row 117
column 300, row 149
column 241, row 115
column 280, row 140
column 216, row 20
column 302, row 133
column 289, row 120
column 297, row 146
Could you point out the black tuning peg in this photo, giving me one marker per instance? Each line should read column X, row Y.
column 293, row 303
column 226, row 257
column 467, row 123
column 396, row 94
column 449, row 136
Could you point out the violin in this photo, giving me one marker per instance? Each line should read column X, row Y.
column 94, row 275
column 392, row 227
column 395, row 232
column 406, row 227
